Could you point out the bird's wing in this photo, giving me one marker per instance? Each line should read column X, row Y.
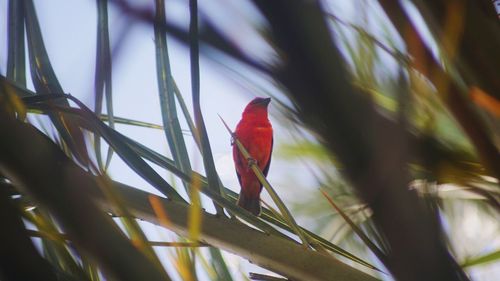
column 239, row 177
column 266, row 169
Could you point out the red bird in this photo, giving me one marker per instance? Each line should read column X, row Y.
column 255, row 132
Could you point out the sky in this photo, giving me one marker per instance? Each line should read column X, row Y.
column 69, row 30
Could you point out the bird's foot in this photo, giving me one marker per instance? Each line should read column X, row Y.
column 251, row 162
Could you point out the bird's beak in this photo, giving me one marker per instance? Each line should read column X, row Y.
column 266, row 101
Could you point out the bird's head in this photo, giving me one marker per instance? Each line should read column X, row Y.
column 257, row 108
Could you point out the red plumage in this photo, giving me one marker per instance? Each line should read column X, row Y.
column 255, row 132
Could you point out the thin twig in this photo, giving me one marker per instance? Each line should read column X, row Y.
column 263, row 277
column 258, row 173
column 398, row 55
column 376, row 250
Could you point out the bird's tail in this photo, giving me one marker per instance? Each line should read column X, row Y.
column 250, row 204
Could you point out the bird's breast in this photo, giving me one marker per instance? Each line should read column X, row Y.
column 252, row 133
column 257, row 140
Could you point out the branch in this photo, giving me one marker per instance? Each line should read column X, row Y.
column 36, row 163
column 276, row 254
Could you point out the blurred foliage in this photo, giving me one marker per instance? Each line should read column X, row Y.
column 398, row 127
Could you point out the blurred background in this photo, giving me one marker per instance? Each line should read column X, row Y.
column 419, row 86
